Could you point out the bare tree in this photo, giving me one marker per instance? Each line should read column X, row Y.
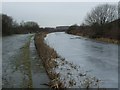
column 102, row 14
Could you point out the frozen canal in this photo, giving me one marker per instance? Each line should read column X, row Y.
column 21, row 66
column 101, row 59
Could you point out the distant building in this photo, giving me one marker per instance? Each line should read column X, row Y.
column 62, row 27
column 57, row 29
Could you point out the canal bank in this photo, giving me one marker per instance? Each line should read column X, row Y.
column 97, row 58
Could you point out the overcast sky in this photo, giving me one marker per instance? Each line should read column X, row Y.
column 49, row 14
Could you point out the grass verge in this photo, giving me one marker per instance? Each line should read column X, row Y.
column 26, row 63
column 107, row 40
column 48, row 56
column 22, row 63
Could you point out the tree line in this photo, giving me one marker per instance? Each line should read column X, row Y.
column 10, row 26
column 102, row 21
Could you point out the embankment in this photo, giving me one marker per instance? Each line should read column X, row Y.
column 48, row 57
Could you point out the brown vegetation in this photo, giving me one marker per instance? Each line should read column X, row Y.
column 108, row 32
column 48, row 57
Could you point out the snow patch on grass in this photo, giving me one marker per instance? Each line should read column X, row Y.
column 74, row 76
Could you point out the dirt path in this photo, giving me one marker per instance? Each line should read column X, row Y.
column 21, row 67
